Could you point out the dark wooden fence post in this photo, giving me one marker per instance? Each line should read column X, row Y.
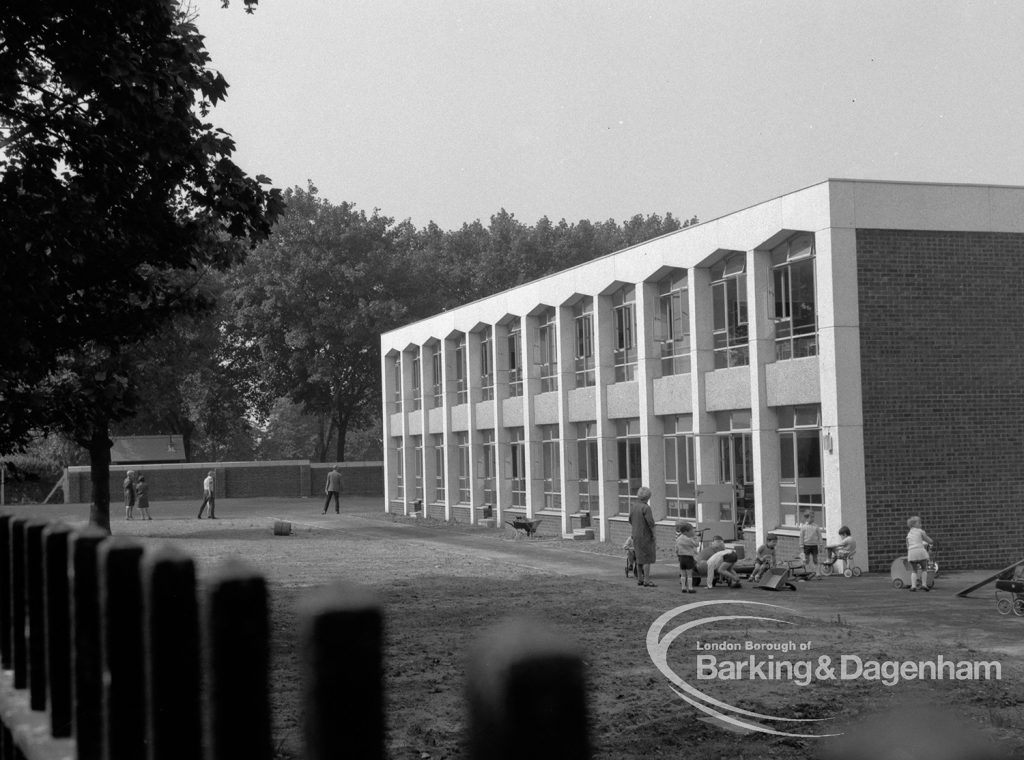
column 124, row 718
column 19, row 644
column 237, row 656
column 86, row 646
column 172, row 655
column 341, row 635
column 35, row 599
column 527, row 696
column 56, row 539
column 6, row 660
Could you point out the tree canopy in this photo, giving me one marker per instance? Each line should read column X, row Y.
column 116, row 196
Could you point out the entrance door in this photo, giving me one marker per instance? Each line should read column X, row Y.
column 716, row 510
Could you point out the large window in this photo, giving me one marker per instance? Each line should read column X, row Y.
column 439, row 468
column 583, row 321
column 680, row 470
column 796, row 318
column 462, row 449
column 461, row 389
column 417, row 383
column 489, row 468
column 517, row 466
column 436, row 374
column 487, row 364
column 729, row 302
column 417, row 450
column 674, row 325
column 515, row 359
column 587, row 460
column 547, row 349
column 398, row 467
column 627, row 439
column 396, row 382
column 800, row 488
column 624, row 318
column 552, row 467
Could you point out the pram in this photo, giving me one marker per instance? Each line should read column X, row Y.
column 900, row 571
column 1010, row 593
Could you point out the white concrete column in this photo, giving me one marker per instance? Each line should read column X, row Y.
column 702, row 358
column 840, row 377
column 502, row 456
column 608, row 470
column 565, row 335
column 652, row 448
column 764, row 422
column 531, row 433
column 476, row 481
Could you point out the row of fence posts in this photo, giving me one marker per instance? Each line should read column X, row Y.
column 116, row 655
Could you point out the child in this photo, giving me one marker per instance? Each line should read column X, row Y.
column 918, row 544
column 630, row 556
column 765, row 558
column 810, row 538
column 842, row 549
column 686, row 550
column 142, row 496
column 720, row 566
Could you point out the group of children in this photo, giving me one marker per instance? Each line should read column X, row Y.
column 715, row 562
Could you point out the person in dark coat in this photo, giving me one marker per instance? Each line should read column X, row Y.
column 142, row 496
column 129, row 494
column 333, row 488
column 641, row 520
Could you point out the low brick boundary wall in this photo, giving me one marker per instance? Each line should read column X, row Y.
column 287, row 478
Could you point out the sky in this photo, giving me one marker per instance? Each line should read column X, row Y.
column 450, row 110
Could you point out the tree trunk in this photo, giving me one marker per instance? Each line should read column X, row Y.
column 99, row 471
column 342, row 431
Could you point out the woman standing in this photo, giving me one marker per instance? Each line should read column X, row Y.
column 641, row 519
column 142, row 496
column 129, row 494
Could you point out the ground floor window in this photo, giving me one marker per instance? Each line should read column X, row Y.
column 439, row 468
column 489, row 467
column 552, row 467
column 680, row 469
column 587, row 460
column 800, row 486
column 462, row 448
column 417, row 448
column 398, row 467
column 517, row 466
column 627, row 440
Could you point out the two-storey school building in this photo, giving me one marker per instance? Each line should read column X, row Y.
column 854, row 349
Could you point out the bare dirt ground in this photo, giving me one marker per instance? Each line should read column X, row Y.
column 442, row 585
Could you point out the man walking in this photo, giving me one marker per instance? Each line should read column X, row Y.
column 333, row 488
column 208, row 497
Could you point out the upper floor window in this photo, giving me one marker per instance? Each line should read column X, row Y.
column 547, row 348
column 461, row 388
column 515, row 358
column 437, row 374
column 396, row 381
column 729, row 302
column 487, row 364
column 583, row 322
column 796, row 318
column 674, row 325
column 417, row 382
column 624, row 318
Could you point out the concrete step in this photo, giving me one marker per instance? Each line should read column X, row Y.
column 583, row 534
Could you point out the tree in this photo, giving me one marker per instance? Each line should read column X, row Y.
column 310, row 305
column 116, row 198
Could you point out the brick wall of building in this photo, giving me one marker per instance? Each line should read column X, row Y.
column 942, row 363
